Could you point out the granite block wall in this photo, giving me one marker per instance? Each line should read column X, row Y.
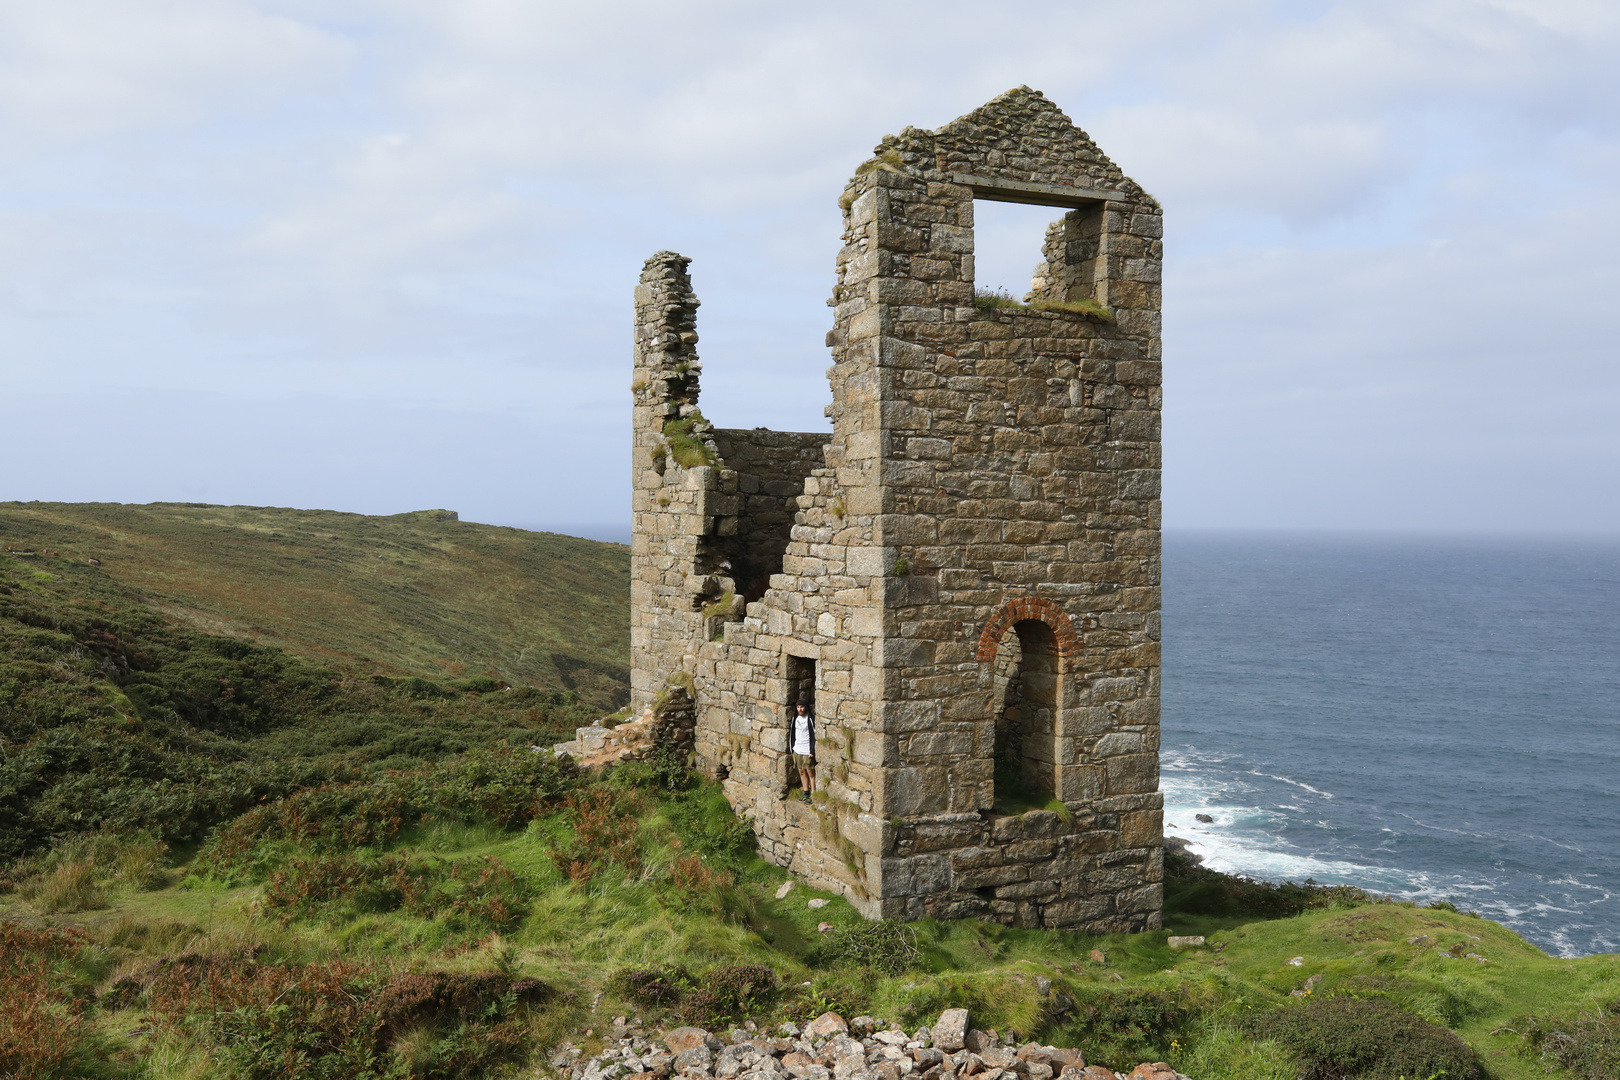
column 965, row 567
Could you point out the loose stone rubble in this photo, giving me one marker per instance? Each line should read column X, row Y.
column 829, row 1048
column 594, row 745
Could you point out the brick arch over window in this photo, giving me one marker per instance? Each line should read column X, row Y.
column 1068, row 641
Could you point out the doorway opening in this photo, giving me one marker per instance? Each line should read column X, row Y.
column 799, row 677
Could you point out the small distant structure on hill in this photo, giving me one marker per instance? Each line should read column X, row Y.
column 962, row 578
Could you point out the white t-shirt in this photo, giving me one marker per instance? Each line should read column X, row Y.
column 801, row 733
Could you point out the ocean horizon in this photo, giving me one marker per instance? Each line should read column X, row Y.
column 1428, row 716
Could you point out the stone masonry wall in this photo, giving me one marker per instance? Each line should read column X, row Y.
column 989, row 470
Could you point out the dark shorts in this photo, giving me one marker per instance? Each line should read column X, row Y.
column 803, row 762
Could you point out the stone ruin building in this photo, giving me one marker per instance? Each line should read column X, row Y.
column 963, row 575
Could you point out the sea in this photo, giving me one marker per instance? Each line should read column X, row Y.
column 1428, row 717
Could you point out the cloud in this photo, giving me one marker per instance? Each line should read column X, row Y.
column 72, row 69
column 1382, row 216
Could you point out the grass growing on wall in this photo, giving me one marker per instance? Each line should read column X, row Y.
column 686, row 444
column 1002, row 300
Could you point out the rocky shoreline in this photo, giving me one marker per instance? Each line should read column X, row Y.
column 831, row 1048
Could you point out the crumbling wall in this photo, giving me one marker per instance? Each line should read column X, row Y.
column 771, row 468
column 667, row 724
column 681, row 504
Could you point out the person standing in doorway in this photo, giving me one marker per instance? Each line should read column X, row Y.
column 803, row 745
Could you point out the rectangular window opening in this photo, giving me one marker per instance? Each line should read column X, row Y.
column 1026, row 254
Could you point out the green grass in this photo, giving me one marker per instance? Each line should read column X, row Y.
column 218, row 853
column 407, row 595
column 1002, row 300
column 684, row 438
column 129, row 701
column 672, row 886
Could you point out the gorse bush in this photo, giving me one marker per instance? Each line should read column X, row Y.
column 1128, row 1022
column 504, row 785
column 1342, row 1038
column 1200, row 891
column 884, row 947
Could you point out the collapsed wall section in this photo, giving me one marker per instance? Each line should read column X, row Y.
column 716, row 512
column 771, row 468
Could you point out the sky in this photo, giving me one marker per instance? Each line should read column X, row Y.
column 378, row 256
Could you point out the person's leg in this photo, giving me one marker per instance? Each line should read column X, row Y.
column 807, row 776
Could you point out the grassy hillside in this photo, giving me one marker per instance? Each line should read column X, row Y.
column 262, row 843
column 405, row 595
column 130, row 699
column 460, row 919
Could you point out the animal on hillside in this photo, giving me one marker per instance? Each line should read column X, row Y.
column 93, row 561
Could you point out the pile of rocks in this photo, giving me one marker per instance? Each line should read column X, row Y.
column 830, row 1048
column 671, row 725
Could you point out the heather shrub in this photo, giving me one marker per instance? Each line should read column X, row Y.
column 742, row 989
column 343, row 1019
column 656, row 988
column 701, row 1008
column 721, row 993
column 471, row 895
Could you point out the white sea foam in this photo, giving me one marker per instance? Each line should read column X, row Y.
column 1296, row 783
column 1441, row 828
column 1248, row 837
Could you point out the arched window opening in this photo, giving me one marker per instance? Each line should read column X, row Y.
column 1024, row 699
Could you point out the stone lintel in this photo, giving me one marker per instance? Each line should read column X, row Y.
column 994, row 189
